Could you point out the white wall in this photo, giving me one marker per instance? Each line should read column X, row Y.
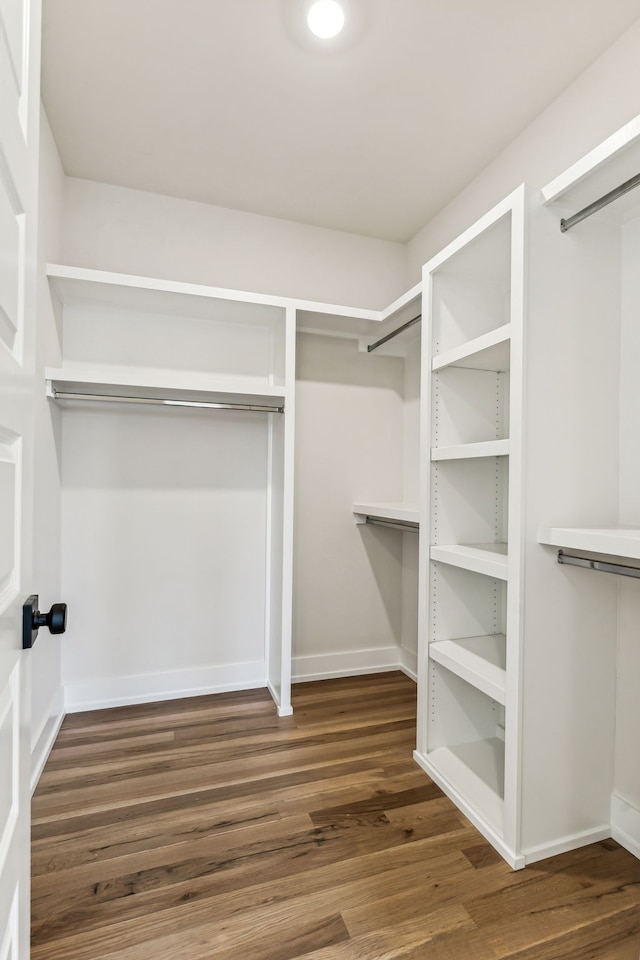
column 599, row 102
column 128, row 231
column 46, row 694
column 164, row 546
column 349, row 440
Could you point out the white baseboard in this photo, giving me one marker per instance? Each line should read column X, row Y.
column 571, row 842
column 43, row 742
column 171, row 685
column 625, row 824
column 409, row 664
column 488, row 831
column 325, row 666
column 284, row 709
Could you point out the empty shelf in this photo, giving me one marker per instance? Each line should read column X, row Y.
column 399, row 512
column 491, row 351
column 481, row 661
column 467, row 451
column 161, row 386
column 475, row 772
column 615, row 541
column 487, row 558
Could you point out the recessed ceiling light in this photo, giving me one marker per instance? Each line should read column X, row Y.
column 325, row 19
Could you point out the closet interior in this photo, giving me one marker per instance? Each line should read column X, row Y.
column 259, row 489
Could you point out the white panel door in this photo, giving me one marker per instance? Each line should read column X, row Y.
column 19, row 123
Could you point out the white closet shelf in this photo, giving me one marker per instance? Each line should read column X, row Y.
column 468, row 451
column 474, row 772
column 76, row 284
column 491, row 351
column 489, row 559
column 170, row 385
column 610, row 164
column 615, row 541
column 402, row 512
column 481, row 661
column 403, row 307
column 400, row 326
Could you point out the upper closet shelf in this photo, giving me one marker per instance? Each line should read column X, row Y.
column 126, row 290
column 167, row 386
column 612, row 163
column 491, row 351
column 119, row 290
column 614, row 542
column 399, row 330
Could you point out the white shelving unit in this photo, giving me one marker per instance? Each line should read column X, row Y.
column 140, row 344
column 470, row 569
column 515, row 650
column 137, row 352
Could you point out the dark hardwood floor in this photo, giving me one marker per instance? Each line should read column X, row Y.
column 209, row 828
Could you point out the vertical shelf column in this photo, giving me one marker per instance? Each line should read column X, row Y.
column 470, row 558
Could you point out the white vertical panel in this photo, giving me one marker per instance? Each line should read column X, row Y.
column 280, row 525
column 7, row 523
column 16, row 167
column 9, row 763
column 10, row 940
column 10, row 253
column 19, row 130
column 12, row 15
column 10, row 470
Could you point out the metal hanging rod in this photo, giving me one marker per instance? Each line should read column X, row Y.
column 602, row 566
column 394, row 333
column 393, row 524
column 162, row 401
column 599, row 204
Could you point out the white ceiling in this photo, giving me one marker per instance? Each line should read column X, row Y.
column 233, row 103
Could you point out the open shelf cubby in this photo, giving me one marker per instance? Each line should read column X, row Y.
column 112, row 323
column 467, row 741
column 469, row 500
column 469, row 626
column 471, row 290
column 469, row 406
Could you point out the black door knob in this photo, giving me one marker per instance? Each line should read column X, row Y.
column 55, row 620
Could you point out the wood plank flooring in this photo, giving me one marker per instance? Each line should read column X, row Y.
column 209, row 828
